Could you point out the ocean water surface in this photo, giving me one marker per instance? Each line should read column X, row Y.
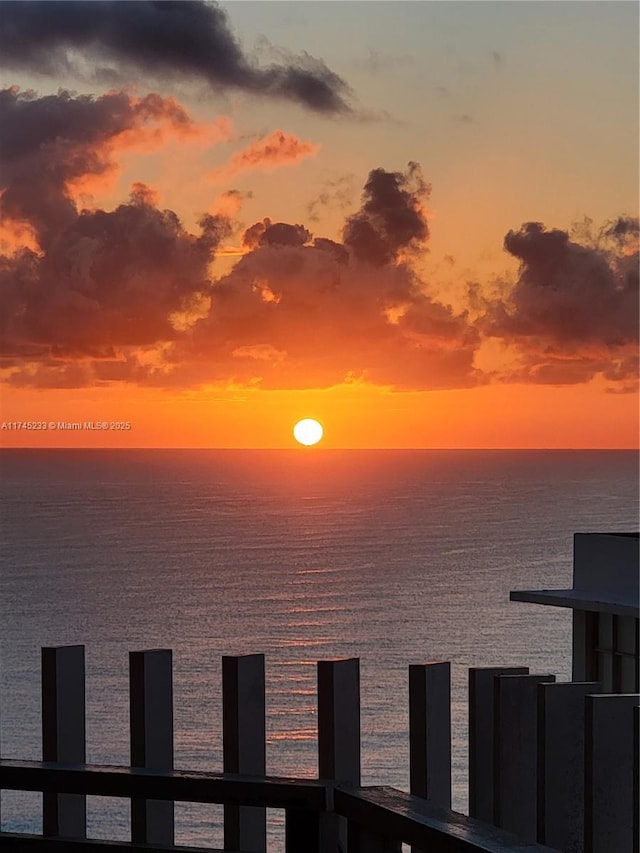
column 395, row 557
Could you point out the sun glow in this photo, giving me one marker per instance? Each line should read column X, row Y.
column 308, row 431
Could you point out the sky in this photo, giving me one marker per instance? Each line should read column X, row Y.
column 414, row 221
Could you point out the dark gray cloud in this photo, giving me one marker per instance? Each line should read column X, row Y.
column 109, row 280
column 573, row 312
column 392, row 216
column 252, row 236
column 336, row 250
column 268, row 233
column 624, row 230
column 189, row 38
column 48, row 143
column 284, row 234
column 569, row 292
column 97, row 280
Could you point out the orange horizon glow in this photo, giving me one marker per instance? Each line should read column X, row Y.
column 491, row 417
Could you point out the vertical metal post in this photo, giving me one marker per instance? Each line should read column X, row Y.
column 244, row 746
column 151, row 720
column 63, row 735
column 338, row 735
column 481, row 733
column 516, row 753
column 430, row 731
column 339, row 720
column 561, row 715
column 609, row 762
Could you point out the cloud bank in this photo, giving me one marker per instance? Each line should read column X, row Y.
column 132, row 295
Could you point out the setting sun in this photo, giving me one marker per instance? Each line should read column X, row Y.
column 308, row 431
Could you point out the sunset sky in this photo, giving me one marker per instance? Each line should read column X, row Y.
column 413, row 221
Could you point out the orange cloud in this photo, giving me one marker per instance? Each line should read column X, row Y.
column 157, row 121
column 59, row 148
column 127, row 296
column 16, row 235
column 273, row 151
column 327, row 320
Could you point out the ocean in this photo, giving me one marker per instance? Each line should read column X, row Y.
column 395, row 557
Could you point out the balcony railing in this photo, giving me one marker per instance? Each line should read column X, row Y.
column 552, row 764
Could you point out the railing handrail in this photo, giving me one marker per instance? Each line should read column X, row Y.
column 398, row 815
column 385, row 810
column 193, row 786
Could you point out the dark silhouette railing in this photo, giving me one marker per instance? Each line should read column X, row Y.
column 377, row 818
column 549, row 764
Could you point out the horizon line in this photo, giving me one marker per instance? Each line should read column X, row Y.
column 315, row 449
